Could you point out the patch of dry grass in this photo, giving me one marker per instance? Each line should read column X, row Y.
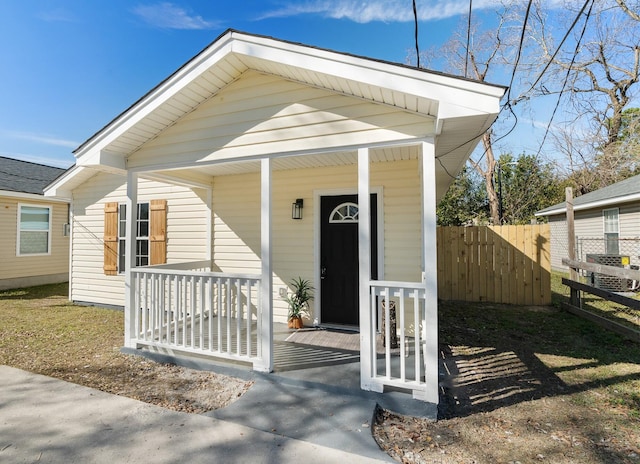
column 41, row 332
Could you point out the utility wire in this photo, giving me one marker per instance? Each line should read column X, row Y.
column 566, row 35
column 466, row 56
column 415, row 19
column 508, row 104
column 519, row 54
column 566, row 77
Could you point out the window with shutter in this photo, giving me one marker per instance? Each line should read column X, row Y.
column 151, row 235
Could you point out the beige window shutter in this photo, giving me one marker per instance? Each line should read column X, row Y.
column 158, row 232
column 111, row 238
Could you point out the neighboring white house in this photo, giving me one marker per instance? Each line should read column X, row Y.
column 259, row 161
column 34, row 244
column 606, row 222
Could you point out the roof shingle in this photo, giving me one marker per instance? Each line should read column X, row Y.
column 26, row 177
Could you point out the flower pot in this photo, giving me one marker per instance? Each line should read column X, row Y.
column 295, row 322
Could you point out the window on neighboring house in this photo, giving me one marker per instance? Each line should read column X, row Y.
column 611, row 230
column 34, row 230
column 151, row 237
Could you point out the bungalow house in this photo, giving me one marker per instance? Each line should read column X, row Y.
column 34, row 244
column 606, row 223
column 260, row 161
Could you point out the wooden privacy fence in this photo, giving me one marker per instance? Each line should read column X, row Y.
column 498, row 264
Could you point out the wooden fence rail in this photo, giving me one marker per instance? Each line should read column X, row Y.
column 498, row 264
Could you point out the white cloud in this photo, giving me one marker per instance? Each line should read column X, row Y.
column 363, row 11
column 41, row 138
column 166, row 15
column 380, row 10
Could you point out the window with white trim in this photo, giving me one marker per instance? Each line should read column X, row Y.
column 34, row 230
column 142, row 236
column 611, row 230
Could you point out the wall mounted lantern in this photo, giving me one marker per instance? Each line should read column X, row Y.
column 296, row 209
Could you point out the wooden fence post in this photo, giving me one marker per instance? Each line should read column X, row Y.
column 571, row 243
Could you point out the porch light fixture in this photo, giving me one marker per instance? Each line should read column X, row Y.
column 296, row 209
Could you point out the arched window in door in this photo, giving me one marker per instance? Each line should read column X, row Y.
column 346, row 212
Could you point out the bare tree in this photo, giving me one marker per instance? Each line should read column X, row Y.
column 596, row 73
column 490, row 53
column 632, row 12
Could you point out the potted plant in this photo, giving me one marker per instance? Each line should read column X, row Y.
column 298, row 301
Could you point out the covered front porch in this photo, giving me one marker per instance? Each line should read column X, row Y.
column 208, row 315
column 201, row 309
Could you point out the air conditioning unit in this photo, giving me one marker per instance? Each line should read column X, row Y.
column 608, row 282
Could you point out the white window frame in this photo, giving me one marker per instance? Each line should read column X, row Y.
column 606, row 232
column 19, row 230
column 122, row 239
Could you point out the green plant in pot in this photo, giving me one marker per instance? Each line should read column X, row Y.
column 298, row 301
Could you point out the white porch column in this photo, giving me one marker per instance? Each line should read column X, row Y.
column 430, row 276
column 265, row 323
column 130, row 259
column 367, row 341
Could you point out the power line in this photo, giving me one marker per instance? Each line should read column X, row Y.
column 566, row 35
column 507, row 105
column 520, row 45
column 415, row 19
column 466, row 57
column 566, row 78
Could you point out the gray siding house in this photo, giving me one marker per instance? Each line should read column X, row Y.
column 607, row 222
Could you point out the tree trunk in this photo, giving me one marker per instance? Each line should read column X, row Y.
column 488, row 174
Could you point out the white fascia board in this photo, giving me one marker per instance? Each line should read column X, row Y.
column 63, row 186
column 30, row 196
column 104, row 161
column 596, row 204
column 477, row 96
column 157, row 97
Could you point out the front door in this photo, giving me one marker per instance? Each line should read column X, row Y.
column 339, row 257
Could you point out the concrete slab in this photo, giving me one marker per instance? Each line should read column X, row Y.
column 48, row 420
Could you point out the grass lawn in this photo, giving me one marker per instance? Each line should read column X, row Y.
column 526, row 384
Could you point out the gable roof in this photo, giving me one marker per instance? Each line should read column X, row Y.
column 26, row 177
column 462, row 109
column 621, row 192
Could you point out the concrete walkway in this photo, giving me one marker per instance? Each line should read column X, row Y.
column 51, row 421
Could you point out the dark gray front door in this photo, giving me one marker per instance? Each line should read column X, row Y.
column 339, row 257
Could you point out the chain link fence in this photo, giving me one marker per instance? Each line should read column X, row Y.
column 620, row 252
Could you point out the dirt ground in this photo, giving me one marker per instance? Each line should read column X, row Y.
column 519, row 398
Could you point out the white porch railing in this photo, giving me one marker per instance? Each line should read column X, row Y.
column 185, row 307
column 404, row 366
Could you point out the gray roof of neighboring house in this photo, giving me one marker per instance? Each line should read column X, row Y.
column 620, row 192
column 26, row 177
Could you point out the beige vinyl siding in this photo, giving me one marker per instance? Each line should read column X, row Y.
column 559, row 241
column 589, row 223
column 14, row 267
column 630, row 221
column 236, row 235
column 262, row 114
column 187, row 219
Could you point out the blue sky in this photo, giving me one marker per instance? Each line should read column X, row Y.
column 68, row 67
